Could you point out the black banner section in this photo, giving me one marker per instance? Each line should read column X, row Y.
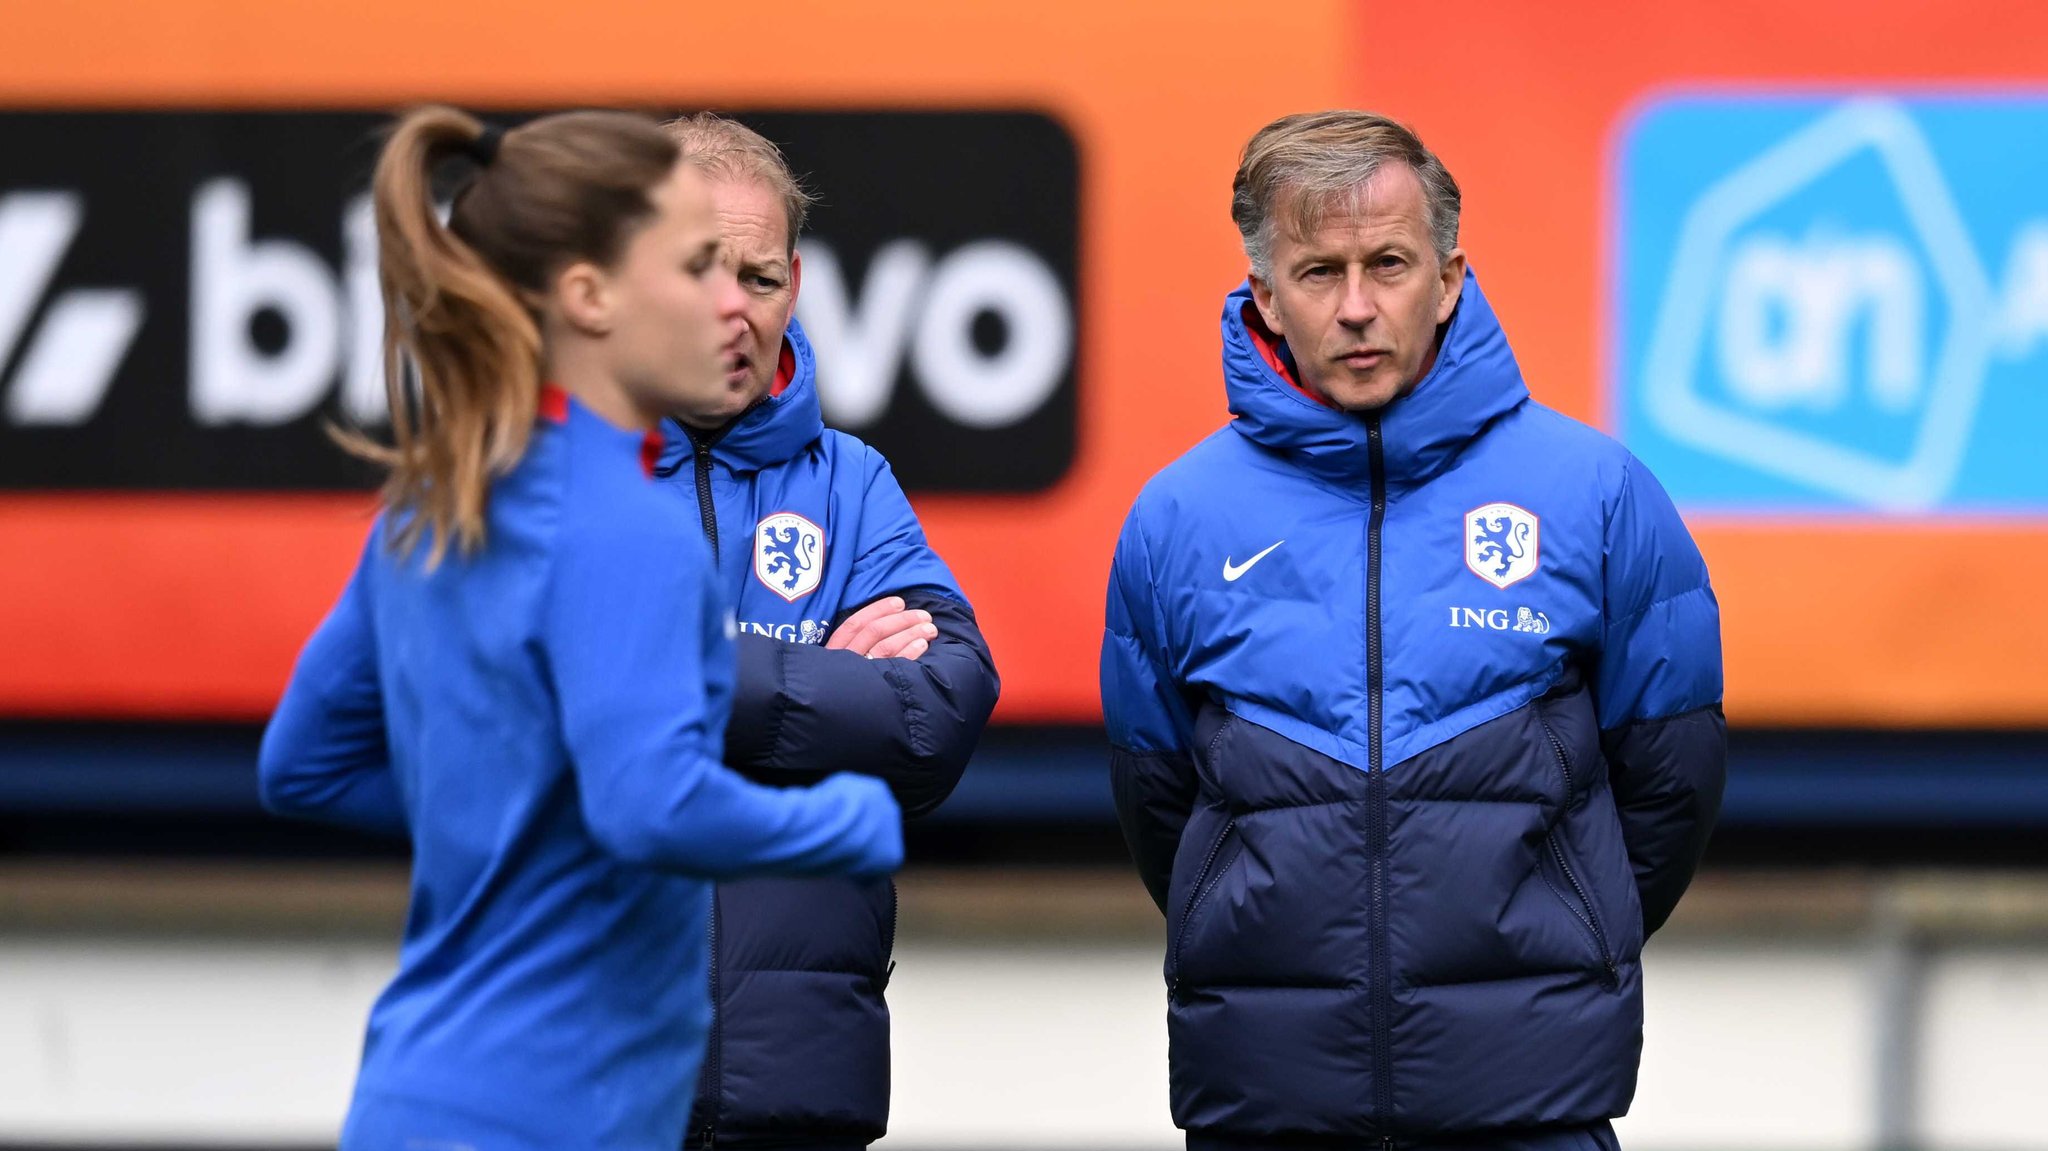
column 187, row 297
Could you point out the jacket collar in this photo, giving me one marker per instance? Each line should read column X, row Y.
column 556, row 406
column 1475, row 381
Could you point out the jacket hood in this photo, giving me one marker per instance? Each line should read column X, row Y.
column 1474, row 381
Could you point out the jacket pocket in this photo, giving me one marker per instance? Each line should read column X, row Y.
column 1571, row 891
column 1205, row 883
column 889, row 940
column 1561, row 755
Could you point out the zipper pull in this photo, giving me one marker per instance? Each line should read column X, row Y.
column 708, row 1139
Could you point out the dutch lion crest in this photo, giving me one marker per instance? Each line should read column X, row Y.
column 1501, row 543
column 789, row 554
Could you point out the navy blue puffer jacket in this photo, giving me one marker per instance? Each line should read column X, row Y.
column 1417, row 736
column 808, row 526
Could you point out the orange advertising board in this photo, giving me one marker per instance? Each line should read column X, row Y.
column 169, row 603
column 1829, row 619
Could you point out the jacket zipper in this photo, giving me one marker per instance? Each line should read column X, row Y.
column 1564, row 762
column 708, row 1137
column 1584, row 910
column 705, row 510
column 1203, row 881
column 707, row 513
column 895, row 904
column 1376, row 792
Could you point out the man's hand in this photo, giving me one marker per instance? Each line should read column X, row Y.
column 885, row 630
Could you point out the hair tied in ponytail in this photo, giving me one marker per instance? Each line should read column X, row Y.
column 463, row 359
column 484, row 148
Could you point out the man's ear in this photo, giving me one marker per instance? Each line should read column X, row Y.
column 796, row 281
column 584, row 297
column 1262, row 297
column 1453, row 273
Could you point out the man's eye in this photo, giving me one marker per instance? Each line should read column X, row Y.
column 765, row 283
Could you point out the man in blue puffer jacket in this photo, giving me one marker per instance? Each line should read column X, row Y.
column 1414, row 690
column 857, row 652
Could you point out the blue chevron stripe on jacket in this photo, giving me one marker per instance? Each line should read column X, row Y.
column 1417, row 735
column 808, row 526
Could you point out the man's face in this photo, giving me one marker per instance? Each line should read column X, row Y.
column 1359, row 302
column 754, row 235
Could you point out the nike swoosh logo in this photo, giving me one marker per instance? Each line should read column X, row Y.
column 1231, row 571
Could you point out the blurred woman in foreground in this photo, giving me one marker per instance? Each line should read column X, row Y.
column 523, row 674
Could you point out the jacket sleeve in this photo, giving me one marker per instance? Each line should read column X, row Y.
column 1658, row 690
column 640, row 652
column 801, row 711
column 325, row 755
column 1152, row 775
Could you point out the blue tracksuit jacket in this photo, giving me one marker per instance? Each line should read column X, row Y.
column 1416, row 735
column 544, row 717
column 809, row 526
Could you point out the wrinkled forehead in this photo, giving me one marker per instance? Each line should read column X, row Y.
column 1387, row 199
column 751, row 216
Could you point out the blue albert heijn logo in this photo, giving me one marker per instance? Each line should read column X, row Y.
column 1836, row 303
column 789, row 555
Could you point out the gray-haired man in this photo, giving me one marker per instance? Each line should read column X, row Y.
column 1414, row 690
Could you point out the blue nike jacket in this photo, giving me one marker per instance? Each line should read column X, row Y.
column 544, row 719
column 808, row 526
column 1417, row 735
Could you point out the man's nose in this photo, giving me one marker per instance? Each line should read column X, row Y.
column 730, row 300
column 1357, row 307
